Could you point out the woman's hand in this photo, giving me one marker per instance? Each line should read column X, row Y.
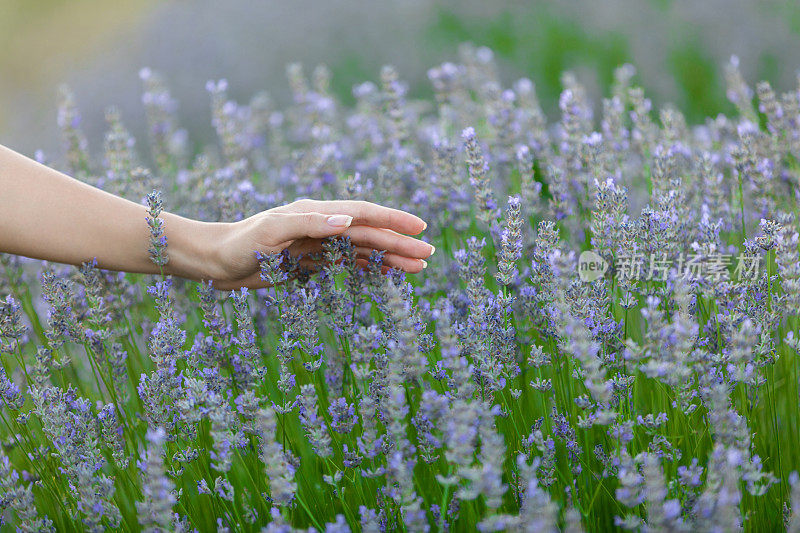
column 45, row 214
column 301, row 227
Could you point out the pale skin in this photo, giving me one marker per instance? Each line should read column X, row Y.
column 45, row 214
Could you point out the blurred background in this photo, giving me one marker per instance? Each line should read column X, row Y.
column 97, row 47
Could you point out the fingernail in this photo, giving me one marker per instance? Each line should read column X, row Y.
column 433, row 249
column 340, row 221
column 424, row 263
column 425, row 226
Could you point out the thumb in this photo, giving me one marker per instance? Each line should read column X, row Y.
column 291, row 226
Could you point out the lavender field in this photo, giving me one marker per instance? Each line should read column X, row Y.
column 605, row 338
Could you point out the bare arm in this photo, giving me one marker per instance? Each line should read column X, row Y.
column 45, row 214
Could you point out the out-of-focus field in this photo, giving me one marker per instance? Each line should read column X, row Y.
column 97, row 47
column 41, row 43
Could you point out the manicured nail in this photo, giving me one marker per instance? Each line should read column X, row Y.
column 340, row 221
column 424, row 263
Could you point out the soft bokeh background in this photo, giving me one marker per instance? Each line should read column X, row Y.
column 97, row 47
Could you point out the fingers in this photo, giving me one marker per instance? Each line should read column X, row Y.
column 408, row 264
column 392, row 242
column 363, row 263
column 254, row 281
column 373, row 238
column 363, row 213
column 283, row 227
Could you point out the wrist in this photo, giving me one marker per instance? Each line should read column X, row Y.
column 193, row 247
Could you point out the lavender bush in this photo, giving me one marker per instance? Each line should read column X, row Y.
column 511, row 387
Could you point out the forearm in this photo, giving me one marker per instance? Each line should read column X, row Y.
column 45, row 214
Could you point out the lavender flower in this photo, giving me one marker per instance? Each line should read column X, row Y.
column 158, row 241
column 343, row 416
column 75, row 143
column 246, row 363
column 19, row 497
column 478, row 170
column 279, row 471
column 511, row 242
column 167, row 141
column 155, row 509
column 119, row 154
column 316, row 429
